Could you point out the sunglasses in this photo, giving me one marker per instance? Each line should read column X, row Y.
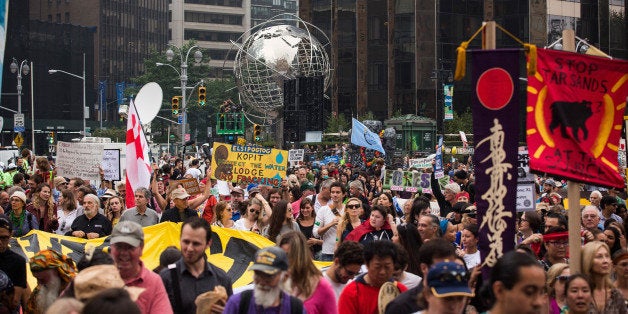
column 254, row 211
column 353, row 206
column 562, row 278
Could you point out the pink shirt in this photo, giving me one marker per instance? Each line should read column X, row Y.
column 154, row 300
column 323, row 300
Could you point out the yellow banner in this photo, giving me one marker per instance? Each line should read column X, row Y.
column 251, row 164
column 231, row 250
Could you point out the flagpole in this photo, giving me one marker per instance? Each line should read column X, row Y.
column 139, row 121
column 573, row 191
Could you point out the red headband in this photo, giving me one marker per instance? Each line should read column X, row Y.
column 555, row 236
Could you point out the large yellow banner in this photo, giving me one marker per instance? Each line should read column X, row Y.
column 251, row 164
column 231, row 250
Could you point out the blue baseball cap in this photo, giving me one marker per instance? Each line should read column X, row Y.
column 448, row 279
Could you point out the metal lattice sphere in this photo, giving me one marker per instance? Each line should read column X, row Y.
column 272, row 55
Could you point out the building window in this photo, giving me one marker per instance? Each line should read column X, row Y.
column 67, row 17
column 214, row 18
column 58, row 17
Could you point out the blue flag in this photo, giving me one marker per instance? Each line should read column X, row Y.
column 362, row 136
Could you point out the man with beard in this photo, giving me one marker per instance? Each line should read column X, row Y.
column 347, row 262
column 127, row 244
column 91, row 224
column 192, row 275
column 270, row 266
column 53, row 272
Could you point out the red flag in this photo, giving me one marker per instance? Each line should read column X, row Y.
column 137, row 162
column 575, row 108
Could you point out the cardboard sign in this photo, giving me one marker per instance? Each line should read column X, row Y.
column 79, row 160
column 250, row 164
column 189, row 184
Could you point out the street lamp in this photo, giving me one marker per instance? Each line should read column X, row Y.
column 25, row 69
column 52, row 71
column 183, row 76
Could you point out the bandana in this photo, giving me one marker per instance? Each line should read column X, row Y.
column 49, row 259
column 555, row 236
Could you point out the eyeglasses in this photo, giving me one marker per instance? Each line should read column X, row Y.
column 558, row 243
column 562, row 278
column 350, row 273
column 254, row 211
column 353, row 206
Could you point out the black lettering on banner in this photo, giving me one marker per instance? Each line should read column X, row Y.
column 33, row 243
column 17, row 248
column 216, row 246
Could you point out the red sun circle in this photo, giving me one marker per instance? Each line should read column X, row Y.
column 494, row 88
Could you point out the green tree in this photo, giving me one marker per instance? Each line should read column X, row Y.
column 461, row 122
column 116, row 134
column 337, row 123
column 198, row 118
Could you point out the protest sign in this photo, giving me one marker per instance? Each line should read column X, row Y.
column 295, row 155
column 79, row 160
column 250, row 164
column 420, row 163
column 111, row 164
column 189, row 184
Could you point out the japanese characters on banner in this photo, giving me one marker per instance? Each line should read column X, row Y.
column 79, row 160
column 250, row 164
column 575, row 108
column 495, row 130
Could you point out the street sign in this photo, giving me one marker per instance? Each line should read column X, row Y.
column 19, row 140
column 18, row 123
column 180, row 119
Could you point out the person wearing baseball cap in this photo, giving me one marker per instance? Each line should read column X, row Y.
column 269, row 267
column 447, row 289
column 127, row 245
column 181, row 211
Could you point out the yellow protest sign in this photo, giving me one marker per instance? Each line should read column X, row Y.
column 251, row 164
column 231, row 250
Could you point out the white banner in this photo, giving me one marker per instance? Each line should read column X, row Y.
column 295, row 155
column 420, row 163
column 79, row 160
column 111, row 164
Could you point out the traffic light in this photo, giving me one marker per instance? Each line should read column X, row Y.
column 175, row 105
column 51, row 137
column 202, row 95
column 257, row 131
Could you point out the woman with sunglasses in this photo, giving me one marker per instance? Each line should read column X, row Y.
column 250, row 221
column 66, row 211
column 350, row 220
column 557, row 275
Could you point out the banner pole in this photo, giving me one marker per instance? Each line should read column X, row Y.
column 573, row 191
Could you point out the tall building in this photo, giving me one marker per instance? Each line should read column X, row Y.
column 393, row 56
column 215, row 24
column 126, row 32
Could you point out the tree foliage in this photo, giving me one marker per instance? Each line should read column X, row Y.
column 461, row 122
column 337, row 123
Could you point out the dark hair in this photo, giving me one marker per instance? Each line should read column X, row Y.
column 194, row 162
column 435, row 248
column 78, row 181
column 507, row 271
column 114, row 300
column 304, row 202
column 338, row 184
column 296, row 192
column 410, row 239
column 474, row 229
column 461, row 174
column 86, row 189
column 402, row 257
column 380, row 248
column 276, row 220
column 70, row 199
column 37, row 178
column 18, row 178
column 574, row 277
column 607, row 200
column 535, row 221
column 418, row 205
column 617, row 233
column 562, row 220
column 196, row 223
column 382, row 210
column 349, row 253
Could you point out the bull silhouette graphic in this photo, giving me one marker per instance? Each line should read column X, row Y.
column 571, row 114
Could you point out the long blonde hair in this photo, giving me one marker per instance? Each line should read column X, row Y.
column 346, row 219
column 301, row 267
column 588, row 255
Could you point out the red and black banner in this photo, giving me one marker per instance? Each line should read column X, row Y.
column 575, row 108
column 495, row 130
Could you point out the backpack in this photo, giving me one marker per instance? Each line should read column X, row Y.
column 296, row 306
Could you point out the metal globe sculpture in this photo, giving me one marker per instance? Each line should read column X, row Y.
column 272, row 55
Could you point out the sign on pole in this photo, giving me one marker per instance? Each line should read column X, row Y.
column 18, row 122
column 250, row 164
column 81, row 160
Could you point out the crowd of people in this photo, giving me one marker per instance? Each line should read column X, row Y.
column 389, row 251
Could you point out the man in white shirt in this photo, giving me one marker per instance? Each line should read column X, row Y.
column 193, row 170
column 327, row 219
